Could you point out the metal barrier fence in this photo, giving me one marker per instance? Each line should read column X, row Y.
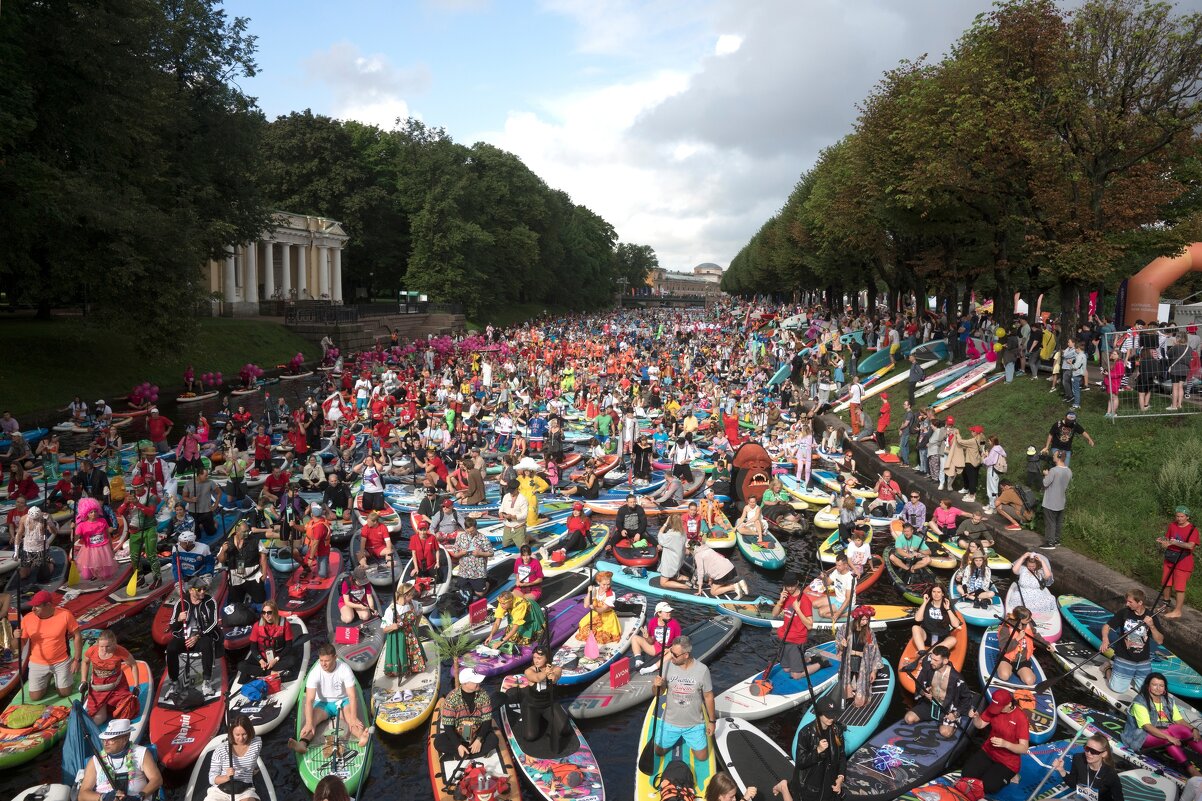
column 1142, row 366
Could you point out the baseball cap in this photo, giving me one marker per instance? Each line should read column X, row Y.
column 663, row 606
column 469, row 676
column 1001, row 699
column 199, row 583
column 447, row 502
column 950, row 421
column 41, row 597
column 1071, row 416
column 826, row 706
column 577, row 506
column 423, row 524
column 315, row 508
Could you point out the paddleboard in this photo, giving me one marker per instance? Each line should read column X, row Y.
column 973, row 615
column 752, row 758
column 403, row 704
column 348, row 761
column 1047, row 623
column 744, row 700
column 762, row 551
column 1110, row 725
column 1043, row 716
column 909, row 665
column 966, row 380
column 859, row 723
column 645, row 787
column 268, row 713
column 445, row 775
column 899, row 758
column 572, row 658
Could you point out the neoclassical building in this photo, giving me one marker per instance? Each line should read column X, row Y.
column 300, row 259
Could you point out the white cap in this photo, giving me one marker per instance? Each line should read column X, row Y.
column 118, row 727
column 316, row 508
column 100, row 402
column 469, row 676
column 154, row 409
column 663, row 606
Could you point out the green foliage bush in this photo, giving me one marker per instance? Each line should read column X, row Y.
column 1179, row 480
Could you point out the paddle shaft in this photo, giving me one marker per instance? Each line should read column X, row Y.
column 1046, row 683
column 1063, row 754
column 962, row 731
column 97, row 751
column 647, row 758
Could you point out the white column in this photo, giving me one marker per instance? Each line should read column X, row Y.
column 228, row 285
column 336, row 279
column 269, row 269
column 323, row 272
column 286, row 273
column 250, row 292
column 302, row 271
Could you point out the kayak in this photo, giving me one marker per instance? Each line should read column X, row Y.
column 1043, row 715
column 759, row 613
column 1047, row 623
column 403, row 704
column 910, row 585
column 601, row 698
column 900, row 757
column 198, row 782
column 32, row 437
column 268, row 713
column 645, row 786
column 859, row 722
column 910, row 658
column 160, row 625
column 572, row 658
column 742, row 700
column 347, row 760
column 752, row 758
column 563, row 616
column 1110, row 726
column 650, row 584
column 306, row 592
column 360, row 642
column 446, row 775
column 764, row 551
column 180, row 731
column 974, row 615
column 572, row 771
column 1087, row 619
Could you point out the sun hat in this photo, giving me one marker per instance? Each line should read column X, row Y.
column 118, row 727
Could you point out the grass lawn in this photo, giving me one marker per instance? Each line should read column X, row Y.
column 1114, row 511
column 513, row 315
column 46, row 363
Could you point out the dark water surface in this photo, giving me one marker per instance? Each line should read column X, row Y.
column 399, row 769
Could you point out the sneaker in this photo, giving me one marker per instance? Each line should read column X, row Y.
column 1048, row 547
column 208, row 688
column 989, row 510
column 649, row 669
column 1014, row 528
column 638, row 662
column 743, row 590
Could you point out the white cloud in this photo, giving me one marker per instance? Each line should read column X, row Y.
column 367, row 88
column 727, row 44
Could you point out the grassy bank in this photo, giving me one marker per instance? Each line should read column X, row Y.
column 46, row 363
column 1118, row 502
column 513, row 315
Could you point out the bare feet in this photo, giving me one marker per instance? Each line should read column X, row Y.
column 1176, row 613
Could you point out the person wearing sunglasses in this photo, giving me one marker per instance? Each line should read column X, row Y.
column 1092, row 775
column 689, row 713
column 270, row 646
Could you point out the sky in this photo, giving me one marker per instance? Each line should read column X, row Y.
column 684, row 123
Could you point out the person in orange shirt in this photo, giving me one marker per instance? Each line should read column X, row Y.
column 46, row 629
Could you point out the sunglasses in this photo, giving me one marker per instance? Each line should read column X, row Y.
column 1094, row 751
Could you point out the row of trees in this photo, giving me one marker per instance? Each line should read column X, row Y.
column 1048, row 152
column 129, row 155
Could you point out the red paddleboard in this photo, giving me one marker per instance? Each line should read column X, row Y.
column 309, row 595
column 117, row 606
column 181, row 734
column 627, row 555
column 160, row 628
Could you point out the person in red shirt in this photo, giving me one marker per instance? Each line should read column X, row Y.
column 108, row 694
column 882, row 421
column 20, row 484
column 382, row 431
column 263, row 450
column 426, row 553
column 61, row 493
column 796, row 609
column 158, row 427
column 434, row 462
column 376, row 542
column 691, row 520
column 1179, row 543
column 276, row 484
column 317, row 542
column 300, row 442
column 19, row 510
column 1000, row 757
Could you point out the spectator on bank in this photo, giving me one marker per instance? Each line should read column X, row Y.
column 1055, row 492
column 1178, row 544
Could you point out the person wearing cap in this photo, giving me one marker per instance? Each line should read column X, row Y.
column 194, row 630
column 1061, row 435
column 158, row 428
column 466, row 725
column 999, row 758
column 819, row 759
column 132, row 768
column 356, row 598
column 446, row 522
column 138, row 512
column 46, row 629
column 328, row 696
column 860, row 655
column 689, row 715
column 1178, row 543
column 316, row 550
column 426, row 553
column 648, row 643
column 103, row 685
column 472, row 550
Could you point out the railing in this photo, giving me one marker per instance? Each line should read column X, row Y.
column 320, row 311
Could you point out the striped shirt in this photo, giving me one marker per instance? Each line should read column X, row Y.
column 244, row 766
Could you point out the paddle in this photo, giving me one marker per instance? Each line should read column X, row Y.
column 229, row 742
column 1046, row 683
column 762, row 686
column 97, row 751
column 647, row 757
column 1035, row 793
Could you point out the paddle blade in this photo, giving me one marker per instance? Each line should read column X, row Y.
column 591, row 651
column 73, row 575
column 131, row 588
column 647, row 758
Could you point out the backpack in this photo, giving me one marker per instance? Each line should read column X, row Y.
column 1002, row 465
column 255, row 690
column 676, row 783
column 1030, row 502
column 238, row 615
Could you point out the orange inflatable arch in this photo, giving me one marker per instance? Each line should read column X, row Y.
column 1145, row 287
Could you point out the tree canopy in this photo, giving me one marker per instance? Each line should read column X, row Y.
column 1050, row 151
